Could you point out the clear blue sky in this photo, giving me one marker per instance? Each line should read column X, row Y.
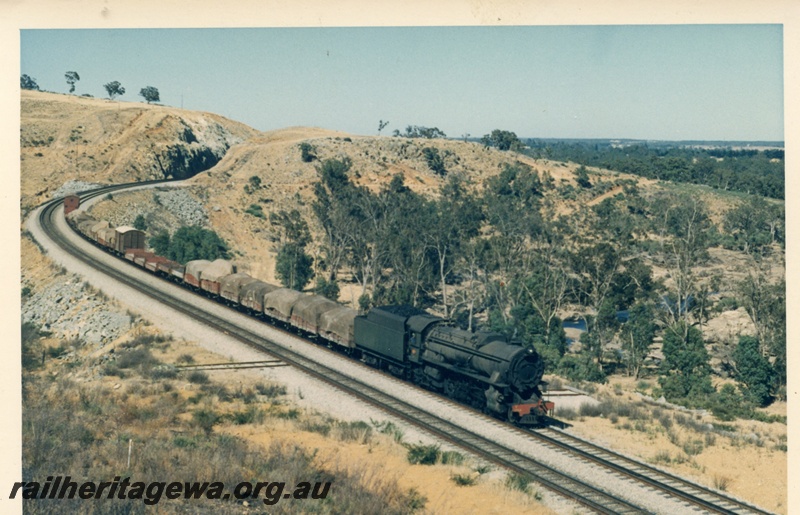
column 671, row 82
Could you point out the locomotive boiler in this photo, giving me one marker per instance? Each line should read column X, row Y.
column 481, row 369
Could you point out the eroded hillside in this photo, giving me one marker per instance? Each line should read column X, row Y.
column 65, row 137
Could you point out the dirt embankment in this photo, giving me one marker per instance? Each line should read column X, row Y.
column 65, row 137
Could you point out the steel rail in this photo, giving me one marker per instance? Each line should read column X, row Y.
column 696, row 494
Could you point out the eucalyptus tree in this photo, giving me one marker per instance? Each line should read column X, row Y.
column 602, row 244
column 512, row 202
column 756, row 225
column 336, row 208
column 408, row 220
column 456, row 218
column 72, row 78
column 293, row 265
column 28, row 82
column 114, row 89
column 637, row 337
column 685, row 230
column 150, row 94
column 685, row 369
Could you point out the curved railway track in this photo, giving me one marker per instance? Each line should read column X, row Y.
column 569, row 487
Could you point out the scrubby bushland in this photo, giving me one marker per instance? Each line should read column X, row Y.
column 84, row 431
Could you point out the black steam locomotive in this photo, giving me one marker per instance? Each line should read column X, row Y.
column 480, row 369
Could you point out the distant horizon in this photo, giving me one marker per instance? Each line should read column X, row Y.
column 472, row 138
column 655, row 82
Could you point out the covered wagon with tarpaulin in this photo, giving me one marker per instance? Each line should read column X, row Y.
column 278, row 303
column 96, row 228
column 78, row 216
column 193, row 270
column 252, row 295
column 211, row 275
column 336, row 325
column 107, row 237
column 230, row 287
column 307, row 310
column 84, row 226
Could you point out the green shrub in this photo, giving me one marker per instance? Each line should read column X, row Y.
column 721, row 483
column 434, row 160
column 581, row 368
column 185, row 358
column 307, row 152
column 219, row 390
column 163, row 372
column 566, row 413
column 136, row 358
column 419, row 454
column 111, row 369
column 270, row 390
column 190, row 243
column 451, row 458
column 590, row 410
column 693, row 447
column 255, row 210
column 389, row 428
column 414, row 500
column 322, row 427
column 290, row 414
column 183, row 442
column 326, row 288
column 206, row 419
column 252, row 415
column 140, row 223
column 58, row 351
column 198, row 377
column 518, row 482
column 726, row 304
column 463, row 479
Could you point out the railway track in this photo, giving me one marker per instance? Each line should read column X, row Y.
column 237, row 365
column 698, row 495
column 595, row 499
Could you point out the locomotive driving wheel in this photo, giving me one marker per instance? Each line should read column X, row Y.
column 450, row 388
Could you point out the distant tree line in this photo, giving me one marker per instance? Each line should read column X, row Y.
column 417, row 131
column 758, row 172
column 113, row 88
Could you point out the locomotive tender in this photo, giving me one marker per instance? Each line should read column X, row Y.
column 481, row 369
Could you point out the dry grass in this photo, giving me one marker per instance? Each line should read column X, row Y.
column 692, row 445
column 88, row 428
column 721, row 482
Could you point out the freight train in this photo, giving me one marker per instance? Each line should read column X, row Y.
column 481, row 369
